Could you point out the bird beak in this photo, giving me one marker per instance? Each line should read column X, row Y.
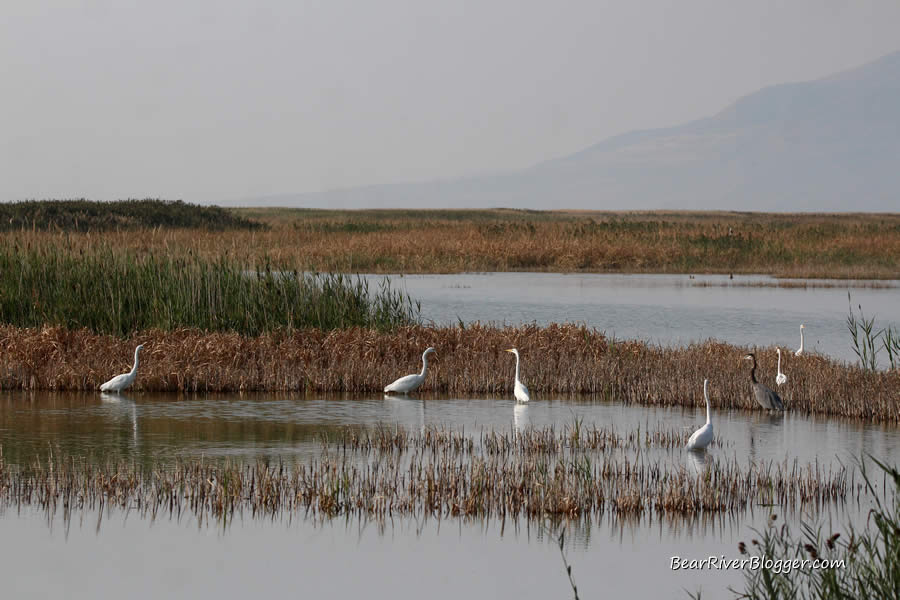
column 510, row 350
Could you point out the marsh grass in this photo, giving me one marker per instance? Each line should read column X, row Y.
column 431, row 475
column 869, row 558
column 559, row 359
column 84, row 215
column 867, row 341
column 118, row 293
column 851, row 246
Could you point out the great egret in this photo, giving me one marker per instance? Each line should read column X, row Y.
column 521, row 392
column 701, row 438
column 800, row 349
column 781, row 377
column 763, row 395
column 123, row 381
column 411, row 383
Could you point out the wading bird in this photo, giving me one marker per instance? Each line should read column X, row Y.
column 521, row 392
column 781, row 377
column 123, row 381
column 701, row 438
column 762, row 394
column 411, row 383
column 800, row 349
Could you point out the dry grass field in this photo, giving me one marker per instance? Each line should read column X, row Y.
column 856, row 246
column 785, row 245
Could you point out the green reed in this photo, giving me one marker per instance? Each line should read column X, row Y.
column 117, row 293
column 86, row 215
column 865, row 339
column 861, row 563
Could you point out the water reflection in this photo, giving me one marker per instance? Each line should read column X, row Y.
column 765, row 431
column 120, row 404
column 406, row 411
column 520, row 416
column 697, row 459
column 605, row 549
column 155, row 427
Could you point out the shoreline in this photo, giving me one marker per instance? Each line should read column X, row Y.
column 557, row 359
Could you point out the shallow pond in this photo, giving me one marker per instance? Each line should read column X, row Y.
column 406, row 557
column 666, row 309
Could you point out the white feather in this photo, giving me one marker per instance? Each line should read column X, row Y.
column 410, row 383
column 519, row 391
column 702, row 437
column 123, row 381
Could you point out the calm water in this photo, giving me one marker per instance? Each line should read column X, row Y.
column 407, row 558
column 415, row 558
column 668, row 309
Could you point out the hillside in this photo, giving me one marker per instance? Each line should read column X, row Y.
column 829, row 145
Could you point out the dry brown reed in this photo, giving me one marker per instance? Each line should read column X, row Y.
column 529, row 441
column 558, row 359
column 435, row 477
column 847, row 246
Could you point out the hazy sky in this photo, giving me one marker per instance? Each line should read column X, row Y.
column 209, row 101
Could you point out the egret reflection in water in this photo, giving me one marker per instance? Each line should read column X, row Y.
column 120, row 404
column 698, row 459
column 521, row 420
column 405, row 410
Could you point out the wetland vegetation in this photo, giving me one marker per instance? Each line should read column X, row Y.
column 85, row 216
column 245, row 300
column 118, row 292
column 869, row 555
column 574, row 473
column 442, row 241
column 844, row 246
column 559, row 359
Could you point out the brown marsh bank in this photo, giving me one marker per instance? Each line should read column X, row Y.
column 559, row 359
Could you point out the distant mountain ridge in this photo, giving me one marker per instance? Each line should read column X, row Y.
column 832, row 144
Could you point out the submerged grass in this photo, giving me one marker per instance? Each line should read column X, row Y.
column 559, row 359
column 430, row 474
column 115, row 292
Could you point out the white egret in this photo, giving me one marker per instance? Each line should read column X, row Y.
column 521, row 392
column 123, row 381
column 763, row 395
column 411, row 383
column 800, row 349
column 781, row 377
column 701, row 438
